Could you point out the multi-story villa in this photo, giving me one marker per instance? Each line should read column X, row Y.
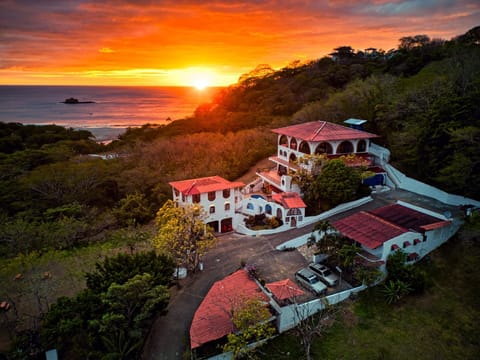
column 296, row 143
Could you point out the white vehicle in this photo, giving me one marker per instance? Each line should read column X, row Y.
column 308, row 279
column 324, row 274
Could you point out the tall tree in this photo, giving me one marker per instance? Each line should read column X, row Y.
column 182, row 234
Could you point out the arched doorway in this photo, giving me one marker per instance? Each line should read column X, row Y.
column 293, row 221
column 279, row 214
column 226, row 225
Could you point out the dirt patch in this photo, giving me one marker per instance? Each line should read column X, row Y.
column 250, row 175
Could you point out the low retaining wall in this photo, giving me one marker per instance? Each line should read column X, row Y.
column 402, row 181
column 291, row 315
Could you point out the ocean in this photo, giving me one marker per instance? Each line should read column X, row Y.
column 114, row 109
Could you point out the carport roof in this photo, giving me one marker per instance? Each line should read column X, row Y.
column 284, row 289
column 408, row 218
column 368, row 229
column 212, row 320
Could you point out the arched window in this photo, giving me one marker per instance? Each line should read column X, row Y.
column 293, row 158
column 250, row 206
column 227, row 206
column 226, row 193
column 345, row 147
column 362, row 146
column 268, row 209
column 324, row 148
column 212, row 209
column 196, row 198
column 293, row 144
column 304, row 147
column 283, row 141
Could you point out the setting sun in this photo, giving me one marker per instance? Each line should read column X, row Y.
column 201, row 83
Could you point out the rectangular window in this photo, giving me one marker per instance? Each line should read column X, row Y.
column 196, row 198
column 212, row 209
column 211, row 195
column 287, row 219
column 226, row 193
column 227, row 206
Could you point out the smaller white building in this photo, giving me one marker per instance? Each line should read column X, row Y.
column 217, row 196
column 403, row 226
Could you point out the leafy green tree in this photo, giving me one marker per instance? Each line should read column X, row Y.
column 251, row 324
column 335, row 184
column 133, row 209
column 182, row 234
column 118, row 269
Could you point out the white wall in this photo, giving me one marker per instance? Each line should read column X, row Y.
column 289, row 316
column 402, row 181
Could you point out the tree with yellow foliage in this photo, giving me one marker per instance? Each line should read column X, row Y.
column 182, row 234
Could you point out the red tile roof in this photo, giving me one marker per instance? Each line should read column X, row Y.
column 435, row 225
column 212, row 320
column 368, row 229
column 406, row 217
column 204, row 185
column 284, row 289
column 318, row 131
column 289, row 200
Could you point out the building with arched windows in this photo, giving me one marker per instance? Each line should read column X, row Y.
column 296, row 143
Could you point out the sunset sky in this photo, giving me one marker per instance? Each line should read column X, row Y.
column 182, row 42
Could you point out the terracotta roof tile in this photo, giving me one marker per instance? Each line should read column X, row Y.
column 204, row 185
column 406, row 217
column 318, row 131
column 289, row 200
column 368, row 229
column 212, row 320
column 284, row 289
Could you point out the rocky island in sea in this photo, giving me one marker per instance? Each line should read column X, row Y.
column 76, row 101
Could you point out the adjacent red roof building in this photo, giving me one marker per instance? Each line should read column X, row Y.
column 213, row 318
column 204, row 185
column 289, row 200
column 368, row 229
column 284, row 289
column 323, row 131
column 409, row 218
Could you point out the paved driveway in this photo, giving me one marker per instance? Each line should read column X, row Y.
column 169, row 339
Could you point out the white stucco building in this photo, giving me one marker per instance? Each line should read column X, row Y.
column 217, row 196
column 295, row 143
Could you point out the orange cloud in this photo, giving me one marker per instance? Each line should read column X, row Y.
column 110, row 38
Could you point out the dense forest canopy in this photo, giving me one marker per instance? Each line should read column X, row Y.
column 421, row 98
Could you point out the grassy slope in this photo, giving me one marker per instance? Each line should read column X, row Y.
column 442, row 323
